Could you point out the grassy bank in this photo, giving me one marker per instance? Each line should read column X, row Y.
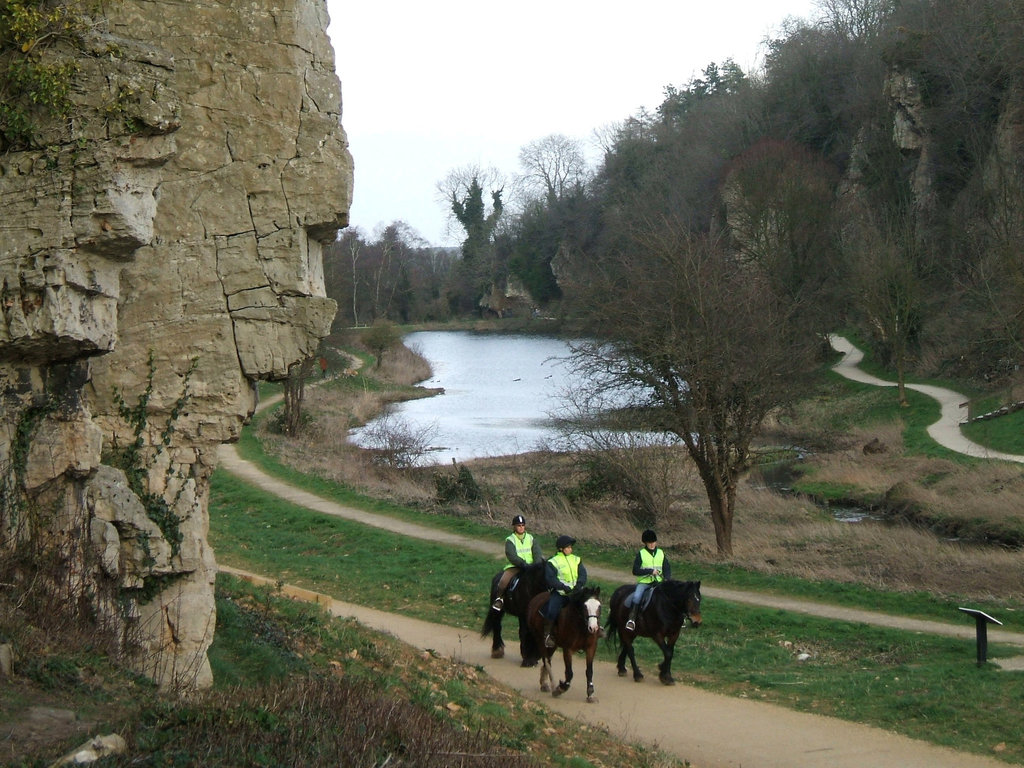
column 922, row 604
column 925, row 687
column 294, row 686
column 922, row 686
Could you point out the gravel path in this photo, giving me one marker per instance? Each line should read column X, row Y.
column 707, row 729
column 946, row 431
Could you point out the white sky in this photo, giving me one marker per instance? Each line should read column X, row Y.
column 430, row 87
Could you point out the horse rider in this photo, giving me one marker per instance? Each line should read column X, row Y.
column 650, row 566
column 564, row 573
column 521, row 549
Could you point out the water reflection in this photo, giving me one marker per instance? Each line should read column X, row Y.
column 498, row 392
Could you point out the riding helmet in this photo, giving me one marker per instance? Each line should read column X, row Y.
column 518, row 520
column 564, row 541
column 648, row 535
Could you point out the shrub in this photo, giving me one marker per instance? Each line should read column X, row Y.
column 460, row 487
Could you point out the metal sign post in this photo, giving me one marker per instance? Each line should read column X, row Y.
column 981, row 622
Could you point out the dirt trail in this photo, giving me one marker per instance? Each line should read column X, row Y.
column 249, row 472
column 946, row 431
column 708, row 730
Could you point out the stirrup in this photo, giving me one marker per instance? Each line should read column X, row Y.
column 498, row 604
column 549, row 641
column 630, row 625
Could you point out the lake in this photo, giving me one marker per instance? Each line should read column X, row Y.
column 498, row 393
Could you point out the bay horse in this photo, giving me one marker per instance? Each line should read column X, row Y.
column 529, row 582
column 577, row 628
column 661, row 619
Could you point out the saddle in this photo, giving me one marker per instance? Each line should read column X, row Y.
column 645, row 599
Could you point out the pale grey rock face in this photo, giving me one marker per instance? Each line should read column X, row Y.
column 166, row 246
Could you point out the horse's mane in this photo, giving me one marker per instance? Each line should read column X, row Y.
column 674, row 588
column 675, row 592
column 533, row 573
column 580, row 596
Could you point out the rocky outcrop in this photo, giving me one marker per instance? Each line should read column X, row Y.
column 160, row 254
column 910, row 133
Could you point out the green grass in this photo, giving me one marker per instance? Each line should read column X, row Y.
column 347, row 560
column 923, row 686
column 250, row 448
column 917, row 605
column 1005, row 433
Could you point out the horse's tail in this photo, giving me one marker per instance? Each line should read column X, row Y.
column 611, row 635
column 492, row 624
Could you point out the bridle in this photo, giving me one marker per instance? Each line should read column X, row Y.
column 593, row 609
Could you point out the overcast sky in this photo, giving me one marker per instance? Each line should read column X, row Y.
column 430, row 87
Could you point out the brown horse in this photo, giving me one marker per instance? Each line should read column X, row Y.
column 661, row 619
column 577, row 628
column 529, row 582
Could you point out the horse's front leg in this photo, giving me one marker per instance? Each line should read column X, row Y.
column 668, row 650
column 590, row 673
column 497, row 644
column 527, row 647
column 563, row 685
column 546, row 678
column 638, row 676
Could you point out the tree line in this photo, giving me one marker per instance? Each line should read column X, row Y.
column 868, row 177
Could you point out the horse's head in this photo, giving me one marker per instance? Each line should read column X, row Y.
column 591, row 603
column 685, row 598
column 693, row 603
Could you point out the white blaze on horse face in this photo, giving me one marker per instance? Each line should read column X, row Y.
column 593, row 606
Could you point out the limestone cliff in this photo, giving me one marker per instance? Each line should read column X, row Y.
column 159, row 254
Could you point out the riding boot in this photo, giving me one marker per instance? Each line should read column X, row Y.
column 631, row 622
column 549, row 628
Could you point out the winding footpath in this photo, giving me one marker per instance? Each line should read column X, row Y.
column 709, row 730
column 946, row 431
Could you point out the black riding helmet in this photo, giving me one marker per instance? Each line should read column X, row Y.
column 564, row 541
column 648, row 536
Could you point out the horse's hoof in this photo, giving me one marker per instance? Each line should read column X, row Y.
column 529, row 663
column 667, row 681
column 498, row 653
column 638, row 678
column 622, row 673
column 591, row 698
column 546, row 689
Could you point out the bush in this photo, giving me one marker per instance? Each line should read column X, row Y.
column 461, row 487
column 381, row 337
column 396, row 444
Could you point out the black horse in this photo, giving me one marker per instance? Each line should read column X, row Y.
column 661, row 619
column 521, row 590
column 577, row 629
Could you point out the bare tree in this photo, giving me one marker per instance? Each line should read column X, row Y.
column 779, row 200
column 354, row 249
column 457, row 184
column 888, row 290
column 394, row 443
column 856, row 19
column 617, row 446
column 553, row 166
column 295, row 393
column 697, row 339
